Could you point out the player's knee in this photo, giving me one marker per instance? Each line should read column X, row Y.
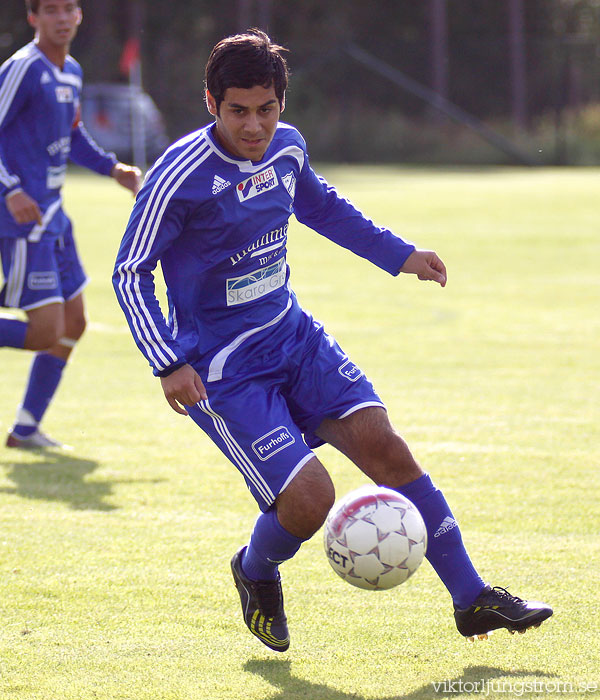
column 45, row 326
column 388, row 450
column 390, row 459
column 304, row 504
column 43, row 336
column 75, row 327
column 322, row 503
column 312, row 513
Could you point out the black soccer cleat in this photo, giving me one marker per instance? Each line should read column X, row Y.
column 262, row 605
column 495, row 608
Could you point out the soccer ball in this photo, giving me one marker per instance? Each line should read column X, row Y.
column 375, row 538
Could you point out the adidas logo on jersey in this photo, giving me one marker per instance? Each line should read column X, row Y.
column 219, row 184
column 45, row 78
column 448, row 524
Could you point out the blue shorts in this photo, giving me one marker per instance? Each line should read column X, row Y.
column 265, row 415
column 38, row 273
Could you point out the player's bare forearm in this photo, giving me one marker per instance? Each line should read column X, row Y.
column 426, row 265
column 128, row 176
column 183, row 388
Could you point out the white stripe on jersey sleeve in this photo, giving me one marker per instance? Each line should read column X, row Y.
column 14, row 77
column 143, row 240
column 9, row 181
column 15, row 72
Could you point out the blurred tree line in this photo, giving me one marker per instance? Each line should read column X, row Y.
column 529, row 69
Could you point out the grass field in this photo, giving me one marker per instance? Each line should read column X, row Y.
column 114, row 558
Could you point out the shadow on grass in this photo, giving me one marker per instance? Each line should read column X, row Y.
column 58, row 476
column 481, row 681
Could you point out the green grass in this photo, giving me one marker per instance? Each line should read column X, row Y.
column 114, row 558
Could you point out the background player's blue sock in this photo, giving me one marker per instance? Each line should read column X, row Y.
column 44, row 378
column 12, row 333
column 270, row 545
column 445, row 549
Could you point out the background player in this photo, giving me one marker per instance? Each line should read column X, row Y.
column 40, row 128
column 246, row 362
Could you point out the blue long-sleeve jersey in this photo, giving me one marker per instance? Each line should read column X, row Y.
column 219, row 225
column 40, row 130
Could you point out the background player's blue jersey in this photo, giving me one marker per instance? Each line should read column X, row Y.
column 219, row 225
column 39, row 130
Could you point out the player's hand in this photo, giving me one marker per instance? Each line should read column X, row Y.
column 128, row 176
column 23, row 208
column 183, row 388
column 426, row 265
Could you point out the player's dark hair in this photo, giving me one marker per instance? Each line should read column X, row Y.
column 244, row 61
column 33, row 6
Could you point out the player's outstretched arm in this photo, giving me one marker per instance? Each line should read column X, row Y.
column 127, row 176
column 183, row 388
column 23, row 208
column 426, row 265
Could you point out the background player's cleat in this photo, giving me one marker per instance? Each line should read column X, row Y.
column 35, row 441
column 262, row 605
column 495, row 608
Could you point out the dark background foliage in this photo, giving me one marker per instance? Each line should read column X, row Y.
column 531, row 79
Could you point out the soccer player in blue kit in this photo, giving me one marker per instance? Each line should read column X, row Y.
column 253, row 369
column 40, row 128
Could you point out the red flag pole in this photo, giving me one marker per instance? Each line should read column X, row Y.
column 131, row 65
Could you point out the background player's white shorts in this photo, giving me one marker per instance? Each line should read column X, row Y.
column 264, row 417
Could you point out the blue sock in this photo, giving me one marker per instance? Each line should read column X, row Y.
column 12, row 333
column 270, row 545
column 44, row 378
column 445, row 549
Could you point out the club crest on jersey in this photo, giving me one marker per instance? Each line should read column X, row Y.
column 273, row 442
column 289, row 182
column 64, row 93
column 257, row 184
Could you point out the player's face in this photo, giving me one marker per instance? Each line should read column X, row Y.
column 56, row 22
column 247, row 120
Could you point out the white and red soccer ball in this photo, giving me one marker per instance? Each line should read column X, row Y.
column 375, row 538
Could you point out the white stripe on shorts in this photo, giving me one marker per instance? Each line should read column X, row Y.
column 358, row 406
column 296, row 469
column 239, row 457
column 16, row 275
